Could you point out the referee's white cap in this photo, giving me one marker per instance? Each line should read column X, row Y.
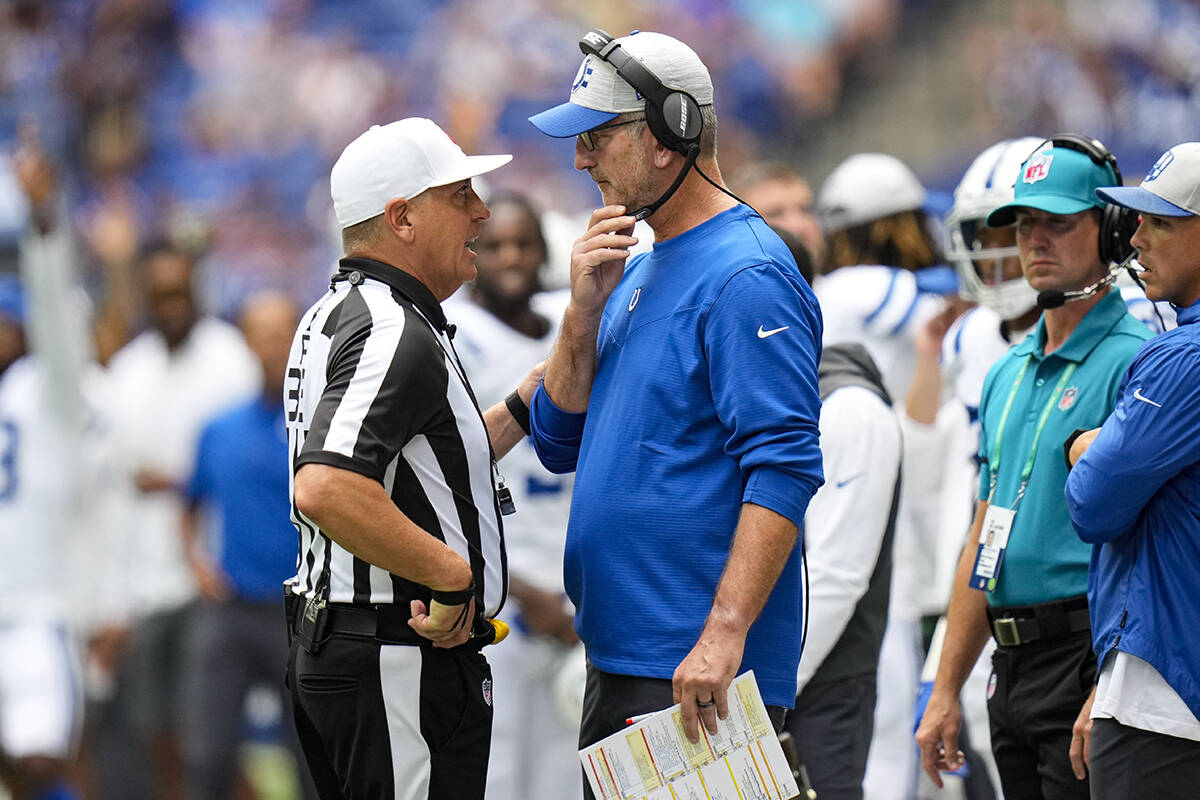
column 400, row 159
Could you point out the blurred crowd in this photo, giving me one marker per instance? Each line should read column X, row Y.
column 183, row 151
column 216, row 121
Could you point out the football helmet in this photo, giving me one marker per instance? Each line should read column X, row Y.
column 988, row 184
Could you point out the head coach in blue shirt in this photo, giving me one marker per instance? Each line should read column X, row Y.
column 1134, row 493
column 683, row 392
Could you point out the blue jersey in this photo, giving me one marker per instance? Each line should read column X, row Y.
column 241, row 477
column 705, row 398
column 1135, row 493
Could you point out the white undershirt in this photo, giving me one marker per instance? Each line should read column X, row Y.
column 1134, row 694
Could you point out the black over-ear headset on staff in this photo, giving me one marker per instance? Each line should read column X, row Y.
column 1117, row 224
column 673, row 115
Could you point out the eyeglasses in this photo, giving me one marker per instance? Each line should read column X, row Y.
column 590, row 143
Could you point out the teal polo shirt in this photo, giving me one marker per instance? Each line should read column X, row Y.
column 1045, row 560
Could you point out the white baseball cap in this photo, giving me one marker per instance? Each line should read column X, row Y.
column 598, row 94
column 400, row 159
column 865, row 187
column 1170, row 189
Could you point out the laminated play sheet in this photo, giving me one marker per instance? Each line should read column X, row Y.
column 653, row 759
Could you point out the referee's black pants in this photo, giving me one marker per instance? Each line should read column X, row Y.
column 1038, row 691
column 391, row 721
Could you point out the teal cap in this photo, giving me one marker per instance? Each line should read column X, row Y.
column 1056, row 180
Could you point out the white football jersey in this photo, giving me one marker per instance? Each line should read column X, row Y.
column 972, row 344
column 38, row 488
column 881, row 309
column 496, row 358
column 159, row 404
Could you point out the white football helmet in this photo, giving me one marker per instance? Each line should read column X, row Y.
column 987, row 185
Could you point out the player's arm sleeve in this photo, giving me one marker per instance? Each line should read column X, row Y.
column 924, row 459
column 387, row 381
column 847, row 518
column 765, row 387
column 58, row 316
column 556, row 434
column 1140, row 446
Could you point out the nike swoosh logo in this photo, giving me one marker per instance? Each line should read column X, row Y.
column 842, row 484
column 1137, row 395
column 764, row 334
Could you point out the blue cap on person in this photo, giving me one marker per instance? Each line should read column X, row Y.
column 1170, row 189
column 1057, row 180
column 400, row 159
column 599, row 94
column 12, row 300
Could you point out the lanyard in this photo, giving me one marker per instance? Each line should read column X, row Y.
column 502, row 492
column 1027, row 470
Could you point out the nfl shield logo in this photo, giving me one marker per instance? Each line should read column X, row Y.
column 1038, row 168
column 1068, row 398
column 487, row 691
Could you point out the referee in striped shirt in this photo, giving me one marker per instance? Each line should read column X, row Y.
column 401, row 562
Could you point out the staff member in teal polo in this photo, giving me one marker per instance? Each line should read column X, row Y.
column 1023, row 573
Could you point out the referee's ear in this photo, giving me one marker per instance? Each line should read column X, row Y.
column 396, row 219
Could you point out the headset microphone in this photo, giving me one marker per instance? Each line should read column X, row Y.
column 645, row 211
column 1053, row 298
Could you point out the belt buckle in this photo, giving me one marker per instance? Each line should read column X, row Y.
column 1005, row 630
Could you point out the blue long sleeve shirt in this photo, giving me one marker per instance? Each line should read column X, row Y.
column 705, row 398
column 1135, row 495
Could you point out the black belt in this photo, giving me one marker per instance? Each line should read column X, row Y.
column 1017, row 625
column 386, row 624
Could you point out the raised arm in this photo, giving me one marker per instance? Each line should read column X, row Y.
column 560, row 403
column 597, row 263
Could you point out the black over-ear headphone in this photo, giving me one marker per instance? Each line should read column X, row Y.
column 673, row 115
column 1117, row 224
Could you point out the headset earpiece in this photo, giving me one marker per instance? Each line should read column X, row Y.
column 672, row 115
column 1117, row 224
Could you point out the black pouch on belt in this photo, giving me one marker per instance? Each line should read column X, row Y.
column 291, row 604
column 310, row 626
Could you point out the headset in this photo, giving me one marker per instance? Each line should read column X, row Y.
column 673, row 115
column 1117, row 224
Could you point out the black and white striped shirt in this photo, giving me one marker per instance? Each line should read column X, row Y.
column 374, row 386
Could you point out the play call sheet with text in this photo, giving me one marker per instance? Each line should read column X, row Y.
column 654, row 760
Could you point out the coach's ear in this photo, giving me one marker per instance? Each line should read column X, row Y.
column 396, row 219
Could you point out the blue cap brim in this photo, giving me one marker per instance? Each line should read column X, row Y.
column 1050, row 203
column 568, row 120
column 1141, row 200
